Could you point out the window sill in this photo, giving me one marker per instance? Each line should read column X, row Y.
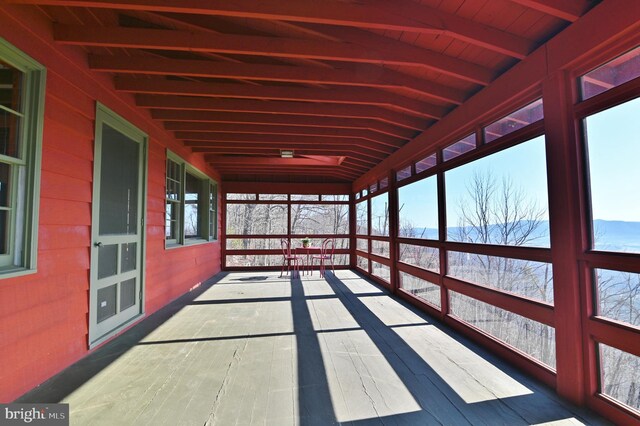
column 13, row 272
column 188, row 243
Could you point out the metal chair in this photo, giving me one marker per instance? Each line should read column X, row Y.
column 326, row 254
column 289, row 258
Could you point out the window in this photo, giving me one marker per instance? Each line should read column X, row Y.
column 458, row 148
column 423, row 289
column 380, row 215
column 500, row 199
column 529, row 336
column 612, row 74
column 404, row 173
column 426, row 163
column 362, row 218
column 516, row 120
column 613, row 151
column 191, row 204
column 418, row 209
column 173, row 201
column 22, row 82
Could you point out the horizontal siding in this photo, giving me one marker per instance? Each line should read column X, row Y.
column 44, row 316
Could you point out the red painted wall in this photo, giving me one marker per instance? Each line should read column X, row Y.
column 43, row 316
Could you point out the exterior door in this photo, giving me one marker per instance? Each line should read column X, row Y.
column 117, row 226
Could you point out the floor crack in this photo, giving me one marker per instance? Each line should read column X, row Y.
column 235, row 360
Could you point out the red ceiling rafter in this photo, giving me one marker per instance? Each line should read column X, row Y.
column 362, row 75
column 402, row 54
column 237, row 138
column 287, row 120
column 400, row 15
column 258, row 129
column 359, row 79
column 280, row 108
column 355, row 96
column 569, row 10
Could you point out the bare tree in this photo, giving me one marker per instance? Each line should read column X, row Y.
column 498, row 212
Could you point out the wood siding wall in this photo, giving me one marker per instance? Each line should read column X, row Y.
column 44, row 316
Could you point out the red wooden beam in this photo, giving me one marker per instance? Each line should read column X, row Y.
column 357, row 159
column 236, row 138
column 364, row 75
column 402, row 54
column 569, row 10
column 397, row 16
column 285, row 188
column 365, row 159
column 284, row 108
column 274, row 161
column 460, row 28
column 288, row 173
column 262, row 129
column 528, row 308
column 430, row 60
column 595, row 29
column 356, row 96
column 287, row 120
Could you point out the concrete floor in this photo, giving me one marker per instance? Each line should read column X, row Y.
column 254, row 348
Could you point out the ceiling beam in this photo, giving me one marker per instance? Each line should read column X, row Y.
column 402, row 54
column 287, row 120
column 273, row 161
column 326, row 174
column 380, row 15
column 282, row 108
column 259, row 129
column 350, row 169
column 248, row 167
column 399, row 15
column 356, row 152
column 361, row 75
column 569, row 10
column 352, row 95
column 356, row 161
column 281, row 139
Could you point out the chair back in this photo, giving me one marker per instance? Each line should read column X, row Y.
column 286, row 247
column 328, row 246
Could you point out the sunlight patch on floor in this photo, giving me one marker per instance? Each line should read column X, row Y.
column 362, row 383
column 468, row 374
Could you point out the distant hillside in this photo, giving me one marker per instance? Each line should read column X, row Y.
column 611, row 235
column 617, row 235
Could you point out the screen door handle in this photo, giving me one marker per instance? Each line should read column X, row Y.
column 98, row 244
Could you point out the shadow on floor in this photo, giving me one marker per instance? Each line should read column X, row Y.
column 73, row 377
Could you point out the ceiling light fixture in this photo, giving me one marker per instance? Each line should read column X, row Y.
column 286, row 153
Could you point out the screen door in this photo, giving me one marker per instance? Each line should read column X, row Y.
column 117, row 226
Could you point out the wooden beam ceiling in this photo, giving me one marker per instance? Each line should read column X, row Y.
column 352, row 95
column 273, row 47
column 399, row 15
column 282, row 109
column 569, row 10
column 239, row 80
column 362, row 75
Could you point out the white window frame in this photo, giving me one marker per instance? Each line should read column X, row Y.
column 22, row 243
column 207, row 205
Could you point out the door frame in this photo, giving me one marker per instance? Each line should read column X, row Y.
column 106, row 115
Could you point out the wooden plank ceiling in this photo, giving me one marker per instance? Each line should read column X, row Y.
column 341, row 83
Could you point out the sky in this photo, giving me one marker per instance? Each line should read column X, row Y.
column 614, row 159
column 523, row 164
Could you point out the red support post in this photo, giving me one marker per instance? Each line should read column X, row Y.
column 442, row 238
column 393, row 231
column 567, row 223
column 352, row 231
